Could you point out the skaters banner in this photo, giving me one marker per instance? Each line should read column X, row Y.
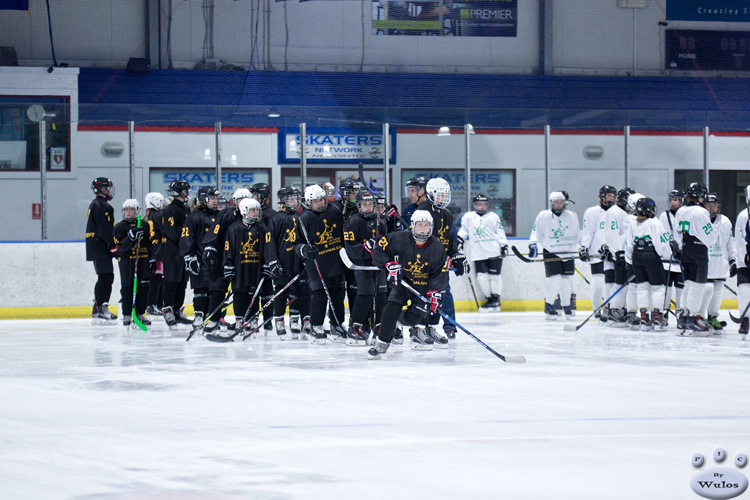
column 231, row 179
column 498, row 185
column 709, row 10
column 480, row 18
column 335, row 146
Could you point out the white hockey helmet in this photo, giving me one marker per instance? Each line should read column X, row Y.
column 747, row 195
column 420, row 233
column 250, row 210
column 632, row 200
column 438, row 192
column 131, row 203
column 315, row 192
column 557, row 196
column 154, row 200
column 239, row 194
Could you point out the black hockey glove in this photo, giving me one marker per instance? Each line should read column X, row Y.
column 135, row 233
column 273, row 270
column 504, row 251
column 533, row 251
column 308, row 252
column 460, row 264
column 369, row 245
column 620, row 258
column 460, row 243
column 152, row 265
column 732, row 268
column 228, row 272
column 192, row 265
column 674, row 247
column 584, row 253
column 211, row 258
column 435, row 298
column 605, row 254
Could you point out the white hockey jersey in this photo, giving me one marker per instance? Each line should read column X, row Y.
column 556, row 234
column 616, row 222
column 592, row 234
column 740, row 232
column 667, row 220
column 484, row 233
column 723, row 249
column 650, row 229
column 695, row 221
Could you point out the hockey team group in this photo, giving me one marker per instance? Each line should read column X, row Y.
column 317, row 250
column 308, row 256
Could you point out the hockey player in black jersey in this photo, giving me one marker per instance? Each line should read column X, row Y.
column 361, row 234
column 283, row 229
column 130, row 237
column 175, row 276
column 348, row 203
column 262, row 192
column 213, row 256
column 244, row 254
column 198, row 223
column 420, row 259
column 154, row 203
column 439, row 197
column 415, row 191
column 393, row 221
column 323, row 224
column 101, row 247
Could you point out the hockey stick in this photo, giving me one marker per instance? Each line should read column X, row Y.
column 270, row 301
column 731, row 290
column 133, row 314
column 473, row 292
column 739, row 320
column 229, row 338
column 582, row 276
column 507, row 359
column 553, row 259
column 572, row 328
column 224, row 304
column 320, row 275
column 351, row 265
column 261, row 325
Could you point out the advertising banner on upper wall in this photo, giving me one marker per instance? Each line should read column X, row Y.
column 709, row 10
column 335, row 146
column 481, row 18
column 231, row 179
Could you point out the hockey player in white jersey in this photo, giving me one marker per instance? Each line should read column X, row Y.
column 556, row 231
column 674, row 277
column 691, row 244
column 616, row 222
column 488, row 245
column 742, row 246
column 721, row 263
column 592, row 239
column 631, row 291
column 647, row 245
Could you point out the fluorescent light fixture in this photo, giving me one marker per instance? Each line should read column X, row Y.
column 444, row 131
column 274, row 114
column 207, row 154
column 234, row 160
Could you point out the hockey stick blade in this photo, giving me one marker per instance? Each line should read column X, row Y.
column 519, row 254
column 351, row 265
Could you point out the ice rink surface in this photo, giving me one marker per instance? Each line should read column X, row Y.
column 105, row 413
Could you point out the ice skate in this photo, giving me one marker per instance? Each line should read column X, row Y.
column 659, row 320
column 568, row 313
column 714, row 325
column 295, row 326
column 440, row 339
column 633, row 321
column 169, row 318
column 181, row 318
column 280, row 327
column 646, row 323
column 153, row 310
column 378, row 349
column 697, row 326
column 549, row 312
column 420, row 341
column 126, row 320
column 744, row 327
column 398, row 336
column 318, row 335
column 306, row 328
column 356, row 336
column 450, row 331
column 101, row 315
column 143, row 319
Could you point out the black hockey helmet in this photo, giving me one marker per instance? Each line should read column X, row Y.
column 677, row 194
column 712, row 198
column 419, row 182
column 477, row 198
column 347, row 187
column 98, row 186
column 696, row 190
column 622, row 197
column 289, row 199
column 603, row 192
column 205, row 193
column 362, row 197
column 179, row 188
column 261, row 192
column 645, row 207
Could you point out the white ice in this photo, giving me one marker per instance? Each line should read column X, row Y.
column 103, row 413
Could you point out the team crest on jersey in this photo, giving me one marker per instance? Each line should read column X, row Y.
column 250, row 247
column 415, row 269
column 441, row 233
column 326, row 238
column 559, row 233
column 291, row 234
column 383, row 243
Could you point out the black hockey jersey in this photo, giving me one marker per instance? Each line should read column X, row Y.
column 442, row 227
column 100, row 223
column 326, row 231
column 357, row 230
column 283, row 229
column 346, row 209
column 197, row 225
column 126, row 251
column 423, row 267
column 173, row 219
column 245, row 253
column 215, row 237
column 155, row 232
